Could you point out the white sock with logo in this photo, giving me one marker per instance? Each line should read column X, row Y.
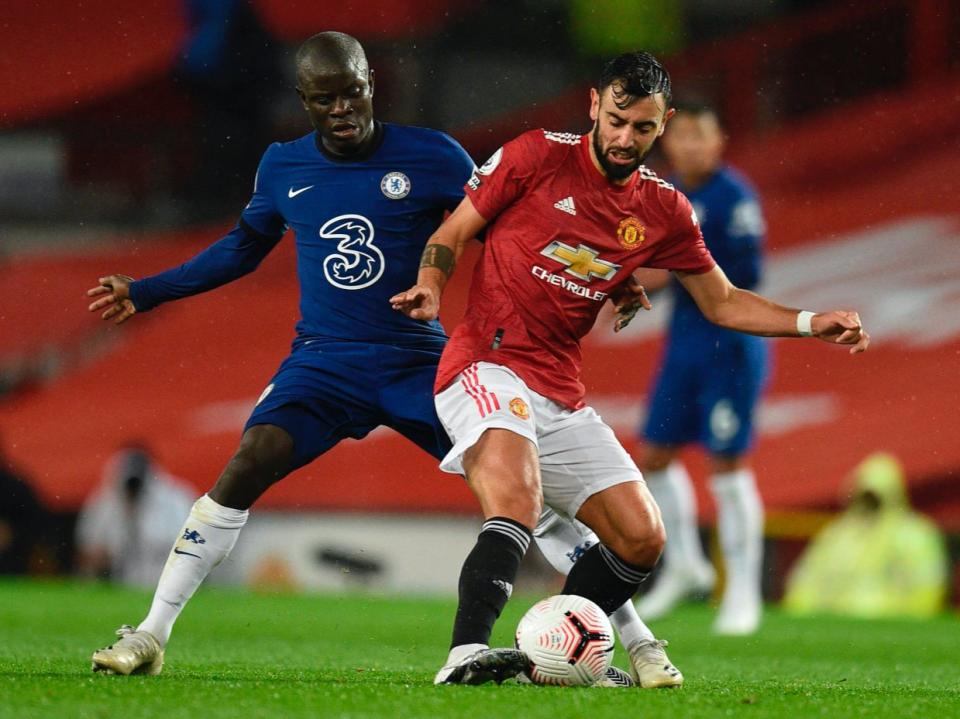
column 561, row 542
column 205, row 540
column 740, row 524
column 672, row 489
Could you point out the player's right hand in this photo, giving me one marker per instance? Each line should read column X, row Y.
column 629, row 299
column 114, row 295
column 420, row 302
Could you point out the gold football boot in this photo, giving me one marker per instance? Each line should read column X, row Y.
column 133, row 653
column 650, row 666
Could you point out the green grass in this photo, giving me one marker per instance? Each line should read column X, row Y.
column 244, row 655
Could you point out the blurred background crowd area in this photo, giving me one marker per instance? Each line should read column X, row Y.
column 130, row 134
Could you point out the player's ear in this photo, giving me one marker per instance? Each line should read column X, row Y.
column 370, row 80
column 594, row 104
column 666, row 117
column 303, row 97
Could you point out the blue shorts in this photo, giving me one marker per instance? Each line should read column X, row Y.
column 708, row 395
column 328, row 391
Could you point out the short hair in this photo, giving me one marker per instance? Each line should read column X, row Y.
column 697, row 108
column 639, row 74
column 331, row 48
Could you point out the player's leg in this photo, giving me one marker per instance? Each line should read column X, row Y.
column 686, row 569
column 487, row 414
column 288, row 428
column 672, row 421
column 562, row 542
column 206, row 538
column 731, row 392
column 740, row 528
column 587, row 474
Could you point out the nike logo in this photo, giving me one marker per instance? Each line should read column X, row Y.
column 189, row 554
column 293, row 193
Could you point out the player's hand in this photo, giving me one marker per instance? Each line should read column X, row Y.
column 627, row 301
column 841, row 327
column 419, row 303
column 114, row 295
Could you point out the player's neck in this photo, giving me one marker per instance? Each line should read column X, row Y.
column 369, row 146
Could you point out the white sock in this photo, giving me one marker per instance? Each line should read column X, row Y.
column 205, row 540
column 630, row 626
column 672, row 489
column 740, row 524
column 562, row 542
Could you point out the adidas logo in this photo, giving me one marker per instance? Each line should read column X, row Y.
column 566, row 205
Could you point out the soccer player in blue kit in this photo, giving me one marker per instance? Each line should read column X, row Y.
column 707, row 389
column 362, row 198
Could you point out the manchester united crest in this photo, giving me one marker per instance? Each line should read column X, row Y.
column 519, row 408
column 630, row 233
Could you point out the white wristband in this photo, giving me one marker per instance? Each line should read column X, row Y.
column 804, row 326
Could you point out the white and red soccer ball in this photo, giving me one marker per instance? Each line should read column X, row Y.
column 568, row 640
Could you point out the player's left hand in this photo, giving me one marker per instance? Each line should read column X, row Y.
column 420, row 302
column 627, row 301
column 841, row 327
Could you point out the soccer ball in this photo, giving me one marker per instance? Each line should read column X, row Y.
column 568, row 640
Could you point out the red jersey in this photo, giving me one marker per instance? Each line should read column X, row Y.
column 560, row 239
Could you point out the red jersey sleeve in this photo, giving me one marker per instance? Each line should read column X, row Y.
column 684, row 249
column 503, row 178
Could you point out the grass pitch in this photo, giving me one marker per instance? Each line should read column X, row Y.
column 236, row 654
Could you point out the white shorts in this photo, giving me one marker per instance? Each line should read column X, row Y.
column 579, row 454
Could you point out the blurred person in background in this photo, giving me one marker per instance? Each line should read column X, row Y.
column 707, row 390
column 21, row 517
column 879, row 558
column 229, row 66
column 124, row 527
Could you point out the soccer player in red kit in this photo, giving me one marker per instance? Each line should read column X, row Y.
column 568, row 218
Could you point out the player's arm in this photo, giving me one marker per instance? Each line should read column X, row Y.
column 422, row 301
column 230, row 258
column 728, row 306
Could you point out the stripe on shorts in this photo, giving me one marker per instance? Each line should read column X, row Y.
column 486, row 401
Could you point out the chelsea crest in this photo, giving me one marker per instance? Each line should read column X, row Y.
column 395, row 185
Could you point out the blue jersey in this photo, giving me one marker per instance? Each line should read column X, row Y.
column 360, row 227
column 733, row 229
column 711, row 378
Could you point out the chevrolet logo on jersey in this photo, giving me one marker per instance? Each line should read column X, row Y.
column 581, row 262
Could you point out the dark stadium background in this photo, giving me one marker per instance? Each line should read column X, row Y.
column 123, row 152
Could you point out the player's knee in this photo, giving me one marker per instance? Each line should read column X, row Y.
column 641, row 543
column 509, row 494
column 523, row 504
column 263, row 458
column 656, row 458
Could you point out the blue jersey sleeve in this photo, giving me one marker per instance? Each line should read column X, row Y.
column 261, row 212
column 457, row 169
column 238, row 253
column 745, row 232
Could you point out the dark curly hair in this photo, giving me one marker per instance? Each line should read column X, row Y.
column 634, row 75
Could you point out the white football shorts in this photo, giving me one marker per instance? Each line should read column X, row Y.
column 579, row 454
